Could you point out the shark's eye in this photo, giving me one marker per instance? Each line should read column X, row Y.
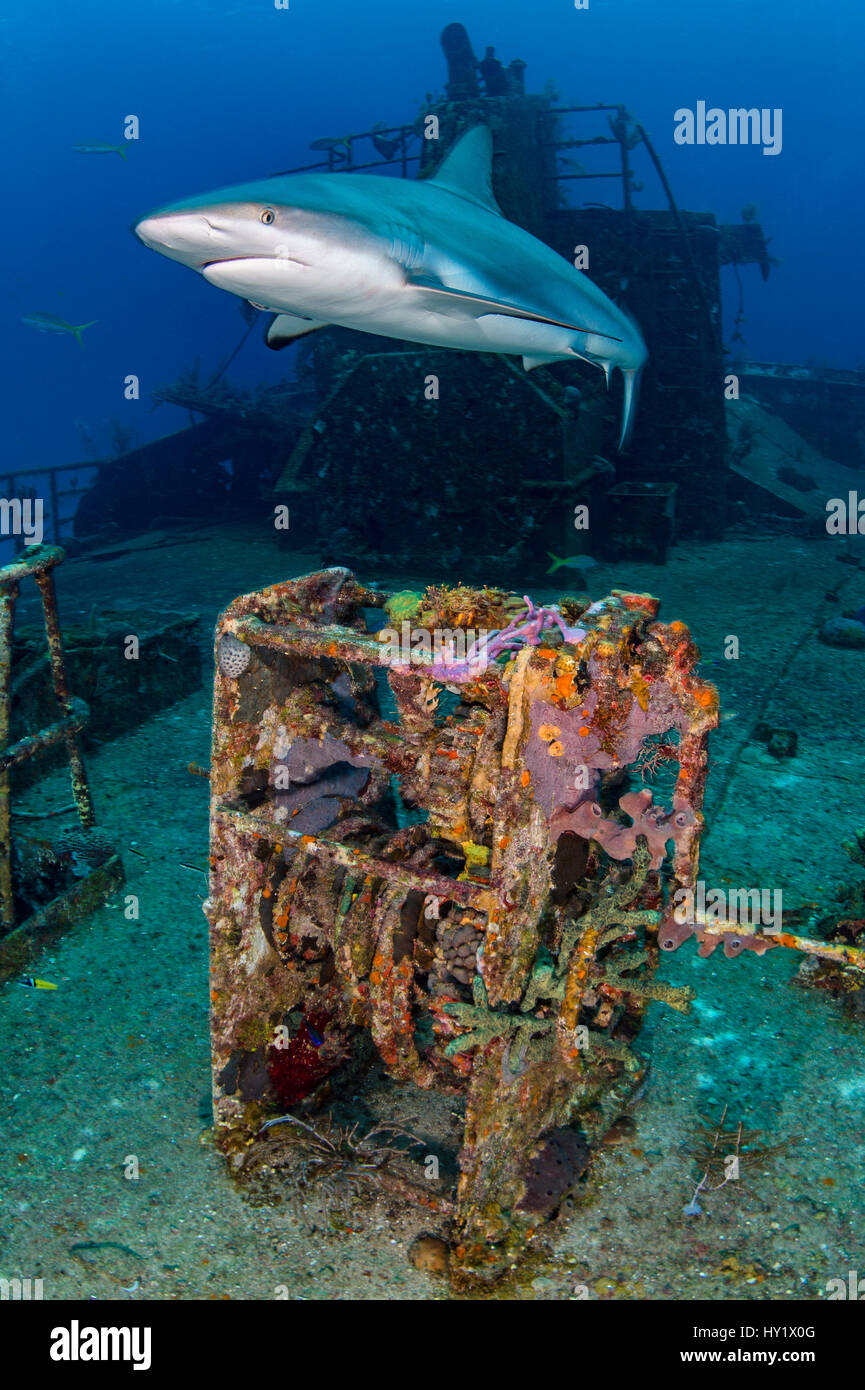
column 268, row 215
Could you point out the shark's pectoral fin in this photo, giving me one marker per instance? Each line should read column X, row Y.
column 443, row 299
column 287, row 328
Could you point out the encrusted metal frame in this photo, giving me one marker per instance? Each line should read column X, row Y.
column 21, row 942
column 349, row 851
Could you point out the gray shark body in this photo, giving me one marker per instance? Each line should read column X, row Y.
column 433, row 261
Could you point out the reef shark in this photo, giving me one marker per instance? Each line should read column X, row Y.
column 431, row 260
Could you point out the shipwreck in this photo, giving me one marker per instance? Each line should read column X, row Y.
column 458, row 857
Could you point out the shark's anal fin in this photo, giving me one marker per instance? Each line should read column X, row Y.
column 441, row 299
column 287, row 328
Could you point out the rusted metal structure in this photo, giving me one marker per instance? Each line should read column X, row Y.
column 457, row 852
column 121, row 693
column 20, row 942
column 664, row 265
column 64, row 485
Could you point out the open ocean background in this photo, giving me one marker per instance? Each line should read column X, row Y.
column 112, row 1060
column 236, row 91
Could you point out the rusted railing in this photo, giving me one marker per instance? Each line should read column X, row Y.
column 37, row 563
column 340, row 153
column 620, row 135
column 20, row 483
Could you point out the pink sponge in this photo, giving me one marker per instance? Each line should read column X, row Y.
column 619, row 841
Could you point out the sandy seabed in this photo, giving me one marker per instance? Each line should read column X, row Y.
column 115, row 1062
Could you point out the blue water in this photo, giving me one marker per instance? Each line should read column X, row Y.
column 227, row 92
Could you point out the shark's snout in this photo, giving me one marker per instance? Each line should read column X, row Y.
column 191, row 238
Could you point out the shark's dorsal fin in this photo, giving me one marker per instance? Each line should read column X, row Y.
column 468, row 169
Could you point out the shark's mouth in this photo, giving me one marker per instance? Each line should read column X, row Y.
column 252, row 260
column 230, row 260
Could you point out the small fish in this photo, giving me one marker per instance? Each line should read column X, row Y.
column 31, row 982
column 50, row 323
column 315, row 1038
column 571, row 562
column 100, row 147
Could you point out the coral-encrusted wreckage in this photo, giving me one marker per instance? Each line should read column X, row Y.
column 45, row 886
column 438, row 833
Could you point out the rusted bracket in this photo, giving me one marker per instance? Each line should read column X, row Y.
column 737, row 937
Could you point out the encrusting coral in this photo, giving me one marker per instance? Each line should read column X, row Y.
column 470, row 880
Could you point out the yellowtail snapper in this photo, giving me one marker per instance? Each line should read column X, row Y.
column 570, row 562
column 100, row 147
column 50, row 323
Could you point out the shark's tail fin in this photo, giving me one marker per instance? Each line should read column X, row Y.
column 632, row 392
column 78, row 329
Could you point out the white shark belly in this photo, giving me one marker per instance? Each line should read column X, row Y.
column 347, row 286
column 469, row 333
column 384, row 305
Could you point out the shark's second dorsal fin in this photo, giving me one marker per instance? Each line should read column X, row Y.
column 467, row 169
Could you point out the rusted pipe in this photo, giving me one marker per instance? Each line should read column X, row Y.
column 80, row 788
column 8, row 595
column 71, row 723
